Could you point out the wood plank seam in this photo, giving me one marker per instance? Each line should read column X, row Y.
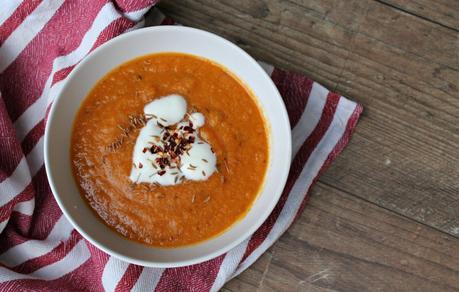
column 417, row 15
column 385, row 208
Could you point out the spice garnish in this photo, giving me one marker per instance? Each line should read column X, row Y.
column 168, row 146
column 151, row 116
column 135, row 121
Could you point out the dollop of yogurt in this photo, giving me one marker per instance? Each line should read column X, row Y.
column 169, row 150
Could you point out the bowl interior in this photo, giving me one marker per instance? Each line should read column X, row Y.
column 118, row 51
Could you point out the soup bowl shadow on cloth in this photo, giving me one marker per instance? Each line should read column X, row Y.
column 124, row 48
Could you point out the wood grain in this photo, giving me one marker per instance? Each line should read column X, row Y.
column 405, row 154
column 341, row 243
column 443, row 12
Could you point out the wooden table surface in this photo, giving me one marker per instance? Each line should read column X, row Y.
column 385, row 216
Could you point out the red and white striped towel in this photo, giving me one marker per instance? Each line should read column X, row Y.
column 40, row 42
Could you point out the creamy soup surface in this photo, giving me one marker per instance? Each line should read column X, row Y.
column 200, row 181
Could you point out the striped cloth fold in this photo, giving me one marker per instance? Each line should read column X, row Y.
column 40, row 43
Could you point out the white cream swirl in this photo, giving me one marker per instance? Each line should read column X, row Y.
column 169, row 149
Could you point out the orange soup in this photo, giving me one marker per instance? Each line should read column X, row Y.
column 183, row 211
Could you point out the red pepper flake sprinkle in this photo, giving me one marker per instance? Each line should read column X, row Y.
column 175, row 142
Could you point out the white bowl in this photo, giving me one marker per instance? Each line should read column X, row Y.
column 127, row 47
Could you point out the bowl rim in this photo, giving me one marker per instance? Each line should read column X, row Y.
column 227, row 247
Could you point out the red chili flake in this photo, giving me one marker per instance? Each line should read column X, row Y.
column 188, row 129
column 155, row 149
column 161, row 172
column 191, row 139
column 191, row 124
column 144, row 150
column 140, row 165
